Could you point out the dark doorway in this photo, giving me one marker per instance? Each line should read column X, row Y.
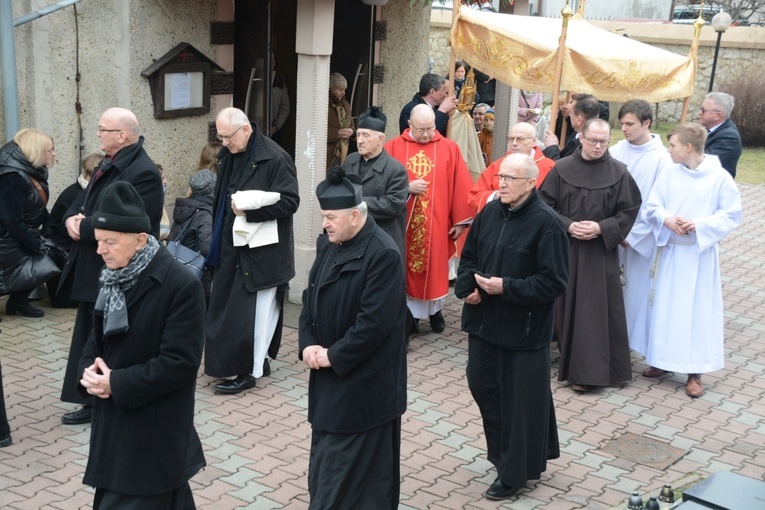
column 256, row 22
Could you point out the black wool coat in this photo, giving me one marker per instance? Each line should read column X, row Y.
column 130, row 164
column 355, row 306
column 142, row 438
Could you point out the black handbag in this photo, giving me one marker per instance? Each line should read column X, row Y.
column 31, row 270
column 194, row 260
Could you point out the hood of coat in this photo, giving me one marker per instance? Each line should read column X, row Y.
column 185, row 207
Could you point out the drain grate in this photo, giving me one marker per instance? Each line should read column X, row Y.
column 645, row 451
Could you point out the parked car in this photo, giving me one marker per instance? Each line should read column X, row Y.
column 687, row 14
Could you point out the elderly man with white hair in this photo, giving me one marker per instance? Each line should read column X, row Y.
column 723, row 138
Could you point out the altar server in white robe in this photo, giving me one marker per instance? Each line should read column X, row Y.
column 693, row 205
column 645, row 157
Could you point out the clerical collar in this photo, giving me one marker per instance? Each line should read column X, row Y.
column 373, row 158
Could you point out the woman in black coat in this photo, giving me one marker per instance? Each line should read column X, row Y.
column 24, row 195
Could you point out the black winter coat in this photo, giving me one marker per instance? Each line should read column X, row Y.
column 185, row 207
column 528, row 247
column 130, row 164
column 269, row 169
column 355, row 306
column 442, row 119
column 142, row 438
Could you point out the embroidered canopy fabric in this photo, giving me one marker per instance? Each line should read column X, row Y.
column 521, row 51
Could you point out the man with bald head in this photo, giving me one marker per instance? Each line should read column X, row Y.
column 437, row 211
column 521, row 140
column 125, row 160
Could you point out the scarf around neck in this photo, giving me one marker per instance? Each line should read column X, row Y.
column 116, row 282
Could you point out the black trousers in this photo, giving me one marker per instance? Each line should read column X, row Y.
column 178, row 499
column 512, row 390
column 5, row 429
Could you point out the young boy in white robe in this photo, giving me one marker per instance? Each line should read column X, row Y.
column 693, row 205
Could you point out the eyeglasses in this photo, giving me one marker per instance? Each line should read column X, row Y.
column 595, row 142
column 704, row 110
column 508, row 178
column 229, row 137
column 423, row 130
column 512, row 139
column 102, row 130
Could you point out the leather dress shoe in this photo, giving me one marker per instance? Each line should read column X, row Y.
column 653, row 372
column 5, row 441
column 266, row 368
column 81, row 415
column 694, row 388
column 581, row 388
column 499, row 491
column 437, row 322
column 234, row 386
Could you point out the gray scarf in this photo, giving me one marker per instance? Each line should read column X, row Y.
column 115, row 283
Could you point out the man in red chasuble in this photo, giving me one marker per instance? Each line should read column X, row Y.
column 437, row 211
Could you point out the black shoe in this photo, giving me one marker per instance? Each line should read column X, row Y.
column 498, row 491
column 266, row 368
column 22, row 306
column 234, row 386
column 5, row 441
column 437, row 322
column 81, row 415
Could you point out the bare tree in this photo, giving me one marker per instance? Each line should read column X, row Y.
column 751, row 10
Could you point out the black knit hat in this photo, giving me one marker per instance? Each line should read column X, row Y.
column 339, row 191
column 372, row 118
column 121, row 209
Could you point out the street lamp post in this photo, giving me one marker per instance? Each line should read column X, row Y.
column 721, row 23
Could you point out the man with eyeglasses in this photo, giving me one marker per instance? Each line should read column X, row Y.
column 437, row 212
column 514, row 265
column 645, row 157
column 598, row 201
column 583, row 107
column 723, row 138
column 249, row 281
column 521, row 140
column 125, row 160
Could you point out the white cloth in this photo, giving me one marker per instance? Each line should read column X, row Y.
column 423, row 309
column 257, row 233
column 644, row 162
column 266, row 319
column 686, row 327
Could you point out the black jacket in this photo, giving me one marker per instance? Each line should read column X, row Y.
column 185, row 207
column 269, row 169
column 441, row 118
column 22, row 206
column 130, row 164
column 355, row 306
column 142, row 438
column 725, row 143
column 528, row 247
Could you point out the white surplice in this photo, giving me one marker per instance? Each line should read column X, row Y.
column 644, row 163
column 686, row 326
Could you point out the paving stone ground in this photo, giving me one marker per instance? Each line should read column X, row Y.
column 257, row 443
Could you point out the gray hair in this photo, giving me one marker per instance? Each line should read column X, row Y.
column 337, row 81
column 233, row 117
column 363, row 209
column 723, row 101
column 481, row 105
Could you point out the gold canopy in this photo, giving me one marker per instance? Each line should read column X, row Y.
column 521, row 52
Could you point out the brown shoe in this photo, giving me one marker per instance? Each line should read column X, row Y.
column 653, row 372
column 693, row 387
column 581, row 388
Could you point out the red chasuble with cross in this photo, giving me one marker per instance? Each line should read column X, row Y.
column 431, row 214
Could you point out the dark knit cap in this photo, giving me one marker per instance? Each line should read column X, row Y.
column 203, row 183
column 339, row 191
column 121, row 209
column 372, row 118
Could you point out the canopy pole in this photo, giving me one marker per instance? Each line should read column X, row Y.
column 564, row 126
column 452, row 60
column 565, row 14
column 580, row 11
column 693, row 53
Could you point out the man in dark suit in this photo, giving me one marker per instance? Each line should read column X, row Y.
column 140, row 365
column 434, row 92
column 125, row 160
column 723, row 138
column 583, row 108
